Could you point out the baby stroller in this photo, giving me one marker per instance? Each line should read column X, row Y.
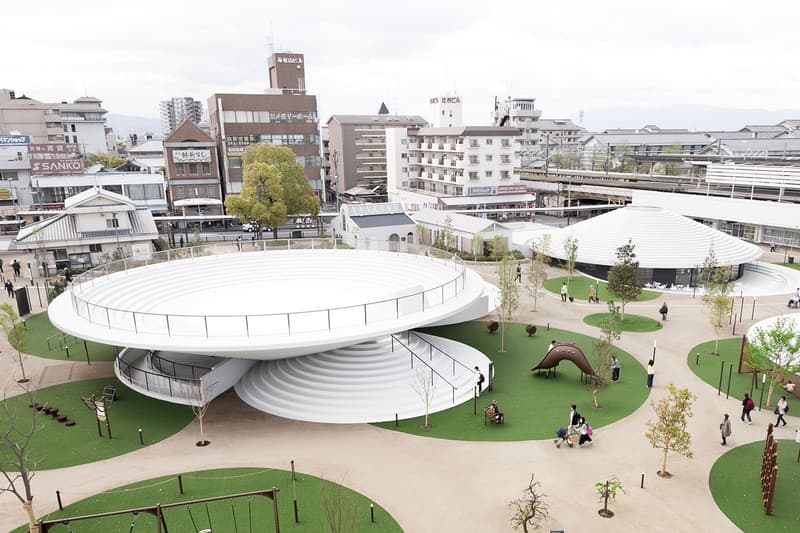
column 564, row 435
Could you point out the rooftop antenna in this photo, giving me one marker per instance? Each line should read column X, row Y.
column 271, row 40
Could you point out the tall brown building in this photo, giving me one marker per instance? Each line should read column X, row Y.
column 284, row 116
column 193, row 183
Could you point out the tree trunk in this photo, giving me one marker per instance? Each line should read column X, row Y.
column 716, row 347
column 664, row 462
column 594, row 399
column 770, row 390
column 28, row 506
column 622, row 312
column 502, row 335
column 22, row 366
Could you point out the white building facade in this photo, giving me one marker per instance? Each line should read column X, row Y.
column 176, row 110
column 446, row 112
column 522, row 114
column 84, row 123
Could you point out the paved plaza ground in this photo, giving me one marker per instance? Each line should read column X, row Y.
column 430, row 484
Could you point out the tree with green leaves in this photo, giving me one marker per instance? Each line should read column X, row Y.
column 716, row 293
column 673, row 169
column 571, row 251
column 602, row 352
column 509, row 294
column 668, row 431
column 531, row 510
column 14, row 331
column 608, row 490
column 775, row 351
column 622, row 280
column 537, row 273
column 499, row 247
column 274, row 187
column 107, row 160
column 476, row 246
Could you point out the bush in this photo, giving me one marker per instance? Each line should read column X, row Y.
column 530, row 329
column 492, row 325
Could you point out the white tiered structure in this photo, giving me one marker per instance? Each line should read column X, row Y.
column 302, row 330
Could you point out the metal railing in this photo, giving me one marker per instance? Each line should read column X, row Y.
column 255, row 325
column 413, row 355
column 187, row 389
column 159, row 363
column 432, row 347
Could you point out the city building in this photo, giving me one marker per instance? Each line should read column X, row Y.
column 374, row 222
column 51, row 191
column 463, row 168
column 284, row 115
column 446, row 112
column 94, row 226
column 38, row 120
column 84, row 124
column 15, row 170
column 175, row 110
column 461, row 230
column 558, row 136
column 358, row 150
column 193, row 181
column 522, row 114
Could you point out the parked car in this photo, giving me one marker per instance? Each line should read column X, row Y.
column 250, row 227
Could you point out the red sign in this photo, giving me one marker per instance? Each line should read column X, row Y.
column 56, row 158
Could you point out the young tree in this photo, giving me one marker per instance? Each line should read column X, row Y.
column 477, row 245
column 499, row 247
column 775, row 351
column 531, row 510
column 274, row 187
column 200, row 406
column 425, row 387
column 668, row 431
column 108, row 161
column 509, row 294
column 447, row 233
column 716, row 293
column 339, row 508
column 537, row 273
column 14, row 331
column 622, row 281
column 571, row 250
column 603, row 349
column 15, row 460
column 608, row 490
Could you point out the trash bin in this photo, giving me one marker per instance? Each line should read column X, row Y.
column 791, row 259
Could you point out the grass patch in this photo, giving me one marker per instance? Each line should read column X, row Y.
column 251, row 514
column 579, row 289
column 795, row 266
column 634, row 323
column 57, row 446
column 534, row 406
column 708, row 369
column 38, row 330
column 735, row 482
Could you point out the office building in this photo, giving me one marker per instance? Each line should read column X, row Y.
column 24, row 115
column 84, row 124
column 446, row 112
column 175, row 110
column 15, row 170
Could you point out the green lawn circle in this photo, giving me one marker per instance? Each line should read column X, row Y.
column 632, row 323
column 579, row 289
column 534, row 406
column 43, row 339
column 253, row 513
column 735, row 483
column 708, row 367
column 56, row 445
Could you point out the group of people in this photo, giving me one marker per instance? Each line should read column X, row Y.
column 748, row 405
column 577, row 427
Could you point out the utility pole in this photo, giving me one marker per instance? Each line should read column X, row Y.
column 547, row 154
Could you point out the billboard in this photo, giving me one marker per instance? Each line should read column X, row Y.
column 55, row 159
column 14, row 140
column 191, row 156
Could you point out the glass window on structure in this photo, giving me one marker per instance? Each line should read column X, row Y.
column 781, row 236
column 179, row 192
column 235, row 162
column 95, row 248
column 153, row 191
column 212, row 191
column 206, row 169
column 179, row 170
column 193, row 169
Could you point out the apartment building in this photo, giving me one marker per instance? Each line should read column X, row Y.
column 22, row 114
column 283, row 115
column 463, row 168
column 15, row 170
column 357, row 148
column 522, row 114
column 84, row 124
column 175, row 110
column 193, row 182
column 559, row 136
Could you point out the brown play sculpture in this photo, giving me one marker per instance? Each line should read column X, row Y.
column 565, row 350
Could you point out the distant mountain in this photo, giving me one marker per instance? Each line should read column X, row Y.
column 124, row 124
column 693, row 117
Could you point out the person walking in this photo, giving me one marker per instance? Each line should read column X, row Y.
column 1, row 265
column 15, row 267
column 650, row 373
column 664, row 310
column 614, row 368
column 518, row 277
column 592, row 294
column 479, row 379
column 9, row 288
column 747, row 405
column 584, row 431
column 574, row 416
column 725, row 429
column 780, row 410
column 564, row 291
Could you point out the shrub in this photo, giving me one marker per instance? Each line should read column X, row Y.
column 492, row 325
column 530, row 329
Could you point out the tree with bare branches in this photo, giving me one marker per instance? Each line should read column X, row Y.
column 531, row 510
column 425, row 387
column 339, row 508
column 200, row 404
column 16, row 464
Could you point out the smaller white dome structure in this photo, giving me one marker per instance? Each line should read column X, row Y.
column 667, row 244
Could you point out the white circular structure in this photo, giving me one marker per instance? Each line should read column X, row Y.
column 195, row 321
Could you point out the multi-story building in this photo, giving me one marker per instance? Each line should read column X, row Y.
column 84, row 124
column 38, row 120
column 15, row 170
column 358, row 150
column 175, row 110
column 446, row 112
column 144, row 188
column 559, row 135
column 520, row 113
column 469, row 167
column 193, row 184
column 284, row 115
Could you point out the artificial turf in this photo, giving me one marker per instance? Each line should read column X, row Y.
column 795, row 266
column 579, row 289
column 709, row 367
column 56, row 445
column 633, row 323
column 39, row 330
column 735, row 482
column 240, row 515
column 534, row 405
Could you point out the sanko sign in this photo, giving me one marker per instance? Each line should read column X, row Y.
column 56, row 166
column 14, row 140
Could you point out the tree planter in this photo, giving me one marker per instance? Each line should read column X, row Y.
column 606, row 513
column 665, row 474
column 202, row 443
column 530, row 329
column 492, row 326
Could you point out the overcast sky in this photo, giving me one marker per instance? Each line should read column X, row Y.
column 568, row 55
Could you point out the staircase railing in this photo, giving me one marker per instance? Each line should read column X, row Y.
column 432, row 346
column 413, row 354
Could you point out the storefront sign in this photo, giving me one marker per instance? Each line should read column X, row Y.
column 14, row 140
column 508, row 189
column 446, row 100
column 292, row 116
column 292, row 60
column 479, row 191
column 191, row 156
column 49, row 167
column 6, row 194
